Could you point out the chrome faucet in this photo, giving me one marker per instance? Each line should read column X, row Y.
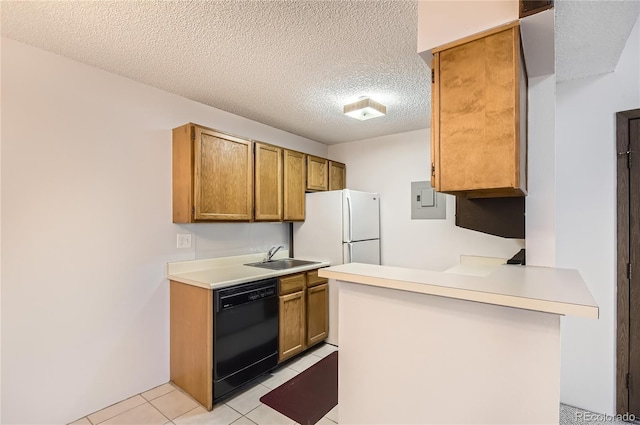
column 272, row 251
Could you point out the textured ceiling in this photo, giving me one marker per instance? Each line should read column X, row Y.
column 590, row 36
column 289, row 64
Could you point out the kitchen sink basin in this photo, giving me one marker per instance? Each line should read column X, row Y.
column 282, row 264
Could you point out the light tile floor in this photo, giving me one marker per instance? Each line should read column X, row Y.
column 167, row 404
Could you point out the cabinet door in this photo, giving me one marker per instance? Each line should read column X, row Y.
column 268, row 189
column 317, row 173
column 477, row 131
column 291, row 325
column 223, row 177
column 295, row 172
column 317, row 313
column 337, row 176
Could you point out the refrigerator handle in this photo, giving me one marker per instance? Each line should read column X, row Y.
column 350, row 245
column 350, row 220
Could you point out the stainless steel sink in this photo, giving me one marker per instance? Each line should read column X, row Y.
column 282, row 264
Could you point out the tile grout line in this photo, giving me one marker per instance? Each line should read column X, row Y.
column 124, row 411
column 240, row 413
column 244, row 416
column 189, row 411
column 168, row 418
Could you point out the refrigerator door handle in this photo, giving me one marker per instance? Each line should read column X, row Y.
column 350, row 252
column 350, row 219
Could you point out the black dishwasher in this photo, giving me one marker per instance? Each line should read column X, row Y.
column 245, row 334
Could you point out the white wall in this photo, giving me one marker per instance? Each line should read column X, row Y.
column 388, row 165
column 540, row 202
column 442, row 21
column 586, row 220
column 86, row 232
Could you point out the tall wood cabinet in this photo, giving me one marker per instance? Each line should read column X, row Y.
column 337, row 175
column 268, row 182
column 295, row 173
column 212, row 176
column 479, row 95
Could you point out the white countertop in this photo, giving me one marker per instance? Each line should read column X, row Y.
column 550, row 290
column 216, row 273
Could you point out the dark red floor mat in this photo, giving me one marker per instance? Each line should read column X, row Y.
column 307, row 397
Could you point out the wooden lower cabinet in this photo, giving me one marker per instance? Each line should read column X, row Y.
column 291, row 325
column 317, row 314
column 304, row 312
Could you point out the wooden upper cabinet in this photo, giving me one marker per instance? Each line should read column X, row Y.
column 530, row 7
column 295, row 173
column 317, row 173
column 337, row 176
column 268, row 184
column 212, row 176
column 479, row 127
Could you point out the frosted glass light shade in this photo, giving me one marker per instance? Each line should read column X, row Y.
column 365, row 109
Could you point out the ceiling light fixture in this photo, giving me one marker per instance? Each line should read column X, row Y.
column 365, row 109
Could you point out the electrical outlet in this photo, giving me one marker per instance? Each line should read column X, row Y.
column 184, row 240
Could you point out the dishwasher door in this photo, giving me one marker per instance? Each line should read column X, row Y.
column 245, row 334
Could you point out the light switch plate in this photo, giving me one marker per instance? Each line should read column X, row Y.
column 426, row 203
column 184, row 240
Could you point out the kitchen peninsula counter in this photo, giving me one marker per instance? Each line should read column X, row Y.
column 472, row 345
column 545, row 289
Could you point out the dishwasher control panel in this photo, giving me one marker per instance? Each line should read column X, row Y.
column 245, row 293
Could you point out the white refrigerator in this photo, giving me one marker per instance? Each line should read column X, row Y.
column 341, row 226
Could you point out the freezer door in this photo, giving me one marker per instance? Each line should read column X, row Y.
column 367, row 252
column 361, row 216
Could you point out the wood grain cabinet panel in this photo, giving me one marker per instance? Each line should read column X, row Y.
column 479, row 111
column 212, row 176
column 268, row 184
column 317, row 314
column 295, row 173
column 191, row 341
column 317, row 173
column 337, row 176
column 291, row 283
column 291, row 325
column 313, row 279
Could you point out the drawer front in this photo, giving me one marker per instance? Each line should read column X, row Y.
column 314, row 280
column 292, row 283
